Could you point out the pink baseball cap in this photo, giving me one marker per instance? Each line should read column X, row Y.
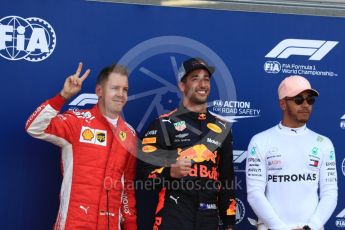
column 293, row 85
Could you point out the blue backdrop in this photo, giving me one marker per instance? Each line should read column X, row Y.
column 41, row 43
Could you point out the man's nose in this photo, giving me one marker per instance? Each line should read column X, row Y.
column 120, row 93
column 203, row 83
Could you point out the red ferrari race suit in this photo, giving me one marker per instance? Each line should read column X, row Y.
column 199, row 199
column 98, row 164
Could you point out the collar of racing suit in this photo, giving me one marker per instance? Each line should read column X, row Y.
column 103, row 119
column 292, row 131
column 195, row 115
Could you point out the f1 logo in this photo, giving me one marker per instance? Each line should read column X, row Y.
column 84, row 99
column 239, row 156
column 340, row 223
column 315, row 49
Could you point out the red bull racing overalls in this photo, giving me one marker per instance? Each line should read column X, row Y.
column 204, row 198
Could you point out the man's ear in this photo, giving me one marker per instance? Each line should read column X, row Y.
column 282, row 104
column 181, row 86
column 98, row 90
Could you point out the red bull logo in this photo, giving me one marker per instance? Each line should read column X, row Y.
column 197, row 153
column 202, row 116
column 200, row 153
column 204, row 172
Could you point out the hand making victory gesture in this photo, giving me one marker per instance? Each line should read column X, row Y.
column 73, row 83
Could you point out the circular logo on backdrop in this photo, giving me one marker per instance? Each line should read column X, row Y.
column 32, row 39
column 240, row 211
column 343, row 167
column 162, row 88
column 172, row 50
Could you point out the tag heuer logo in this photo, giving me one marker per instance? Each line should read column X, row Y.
column 180, row 126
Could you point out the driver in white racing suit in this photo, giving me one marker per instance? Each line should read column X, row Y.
column 288, row 163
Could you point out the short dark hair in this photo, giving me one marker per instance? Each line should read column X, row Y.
column 106, row 71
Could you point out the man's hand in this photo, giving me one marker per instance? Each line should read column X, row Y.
column 73, row 83
column 181, row 168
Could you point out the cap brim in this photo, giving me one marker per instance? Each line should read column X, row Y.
column 313, row 91
column 209, row 69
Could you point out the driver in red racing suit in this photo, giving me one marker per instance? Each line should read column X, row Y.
column 98, row 153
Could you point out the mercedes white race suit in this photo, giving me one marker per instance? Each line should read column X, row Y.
column 284, row 170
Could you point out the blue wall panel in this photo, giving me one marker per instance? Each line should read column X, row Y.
column 153, row 41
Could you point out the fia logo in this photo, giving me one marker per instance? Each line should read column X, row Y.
column 218, row 103
column 32, row 39
column 272, row 67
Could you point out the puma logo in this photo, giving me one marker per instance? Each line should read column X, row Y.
column 223, row 124
column 85, row 209
column 174, row 199
column 166, row 120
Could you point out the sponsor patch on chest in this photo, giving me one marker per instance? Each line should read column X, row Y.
column 93, row 136
column 180, row 126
